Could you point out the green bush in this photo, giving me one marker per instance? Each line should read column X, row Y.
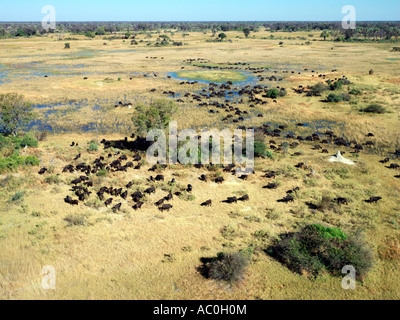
column 31, row 161
column 345, row 82
column 229, row 266
column 318, row 89
column 316, row 248
column 355, row 92
column 18, row 142
column 90, row 34
column 17, row 197
column 157, row 115
column 15, row 161
column 337, row 97
column 337, row 85
column 273, row 93
column 93, row 146
column 102, row 173
column 328, row 233
column 269, row 154
column 374, row 108
column 333, row 98
column 3, row 141
column 260, row 149
column 15, row 112
column 28, row 141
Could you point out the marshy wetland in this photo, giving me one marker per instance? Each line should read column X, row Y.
column 305, row 101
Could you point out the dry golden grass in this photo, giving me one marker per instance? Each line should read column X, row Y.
column 121, row 256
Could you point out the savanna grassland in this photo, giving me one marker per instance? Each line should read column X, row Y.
column 149, row 254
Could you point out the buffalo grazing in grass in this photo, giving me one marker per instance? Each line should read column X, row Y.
column 42, row 171
column 373, row 199
column 207, row 203
column 287, row 199
column 219, row 180
column 108, row 202
column 341, row 201
column 165, row 207
column 138, row 206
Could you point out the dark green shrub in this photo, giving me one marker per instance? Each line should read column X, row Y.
column 333, row 98
column 15, row 161
column 374, row 108
column 260, row 149
column 337, row 85
column 355, row 92
column 229, row 266
column 222, row 36
column 273, row 93
column 17, row 197
column 318, row 89
column 93, row 146
column 28, row 141
column 316, row 248
column 3, row 141
column 337, row 97
column 328, row 233
column 31, row 161
column 269, row 154
column 102, row 173
column 157, row 115
column 90, row 34
column 345, row 82
column 18, row 142
column 15, row 112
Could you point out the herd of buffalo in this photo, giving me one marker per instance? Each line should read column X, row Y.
column 113, row 196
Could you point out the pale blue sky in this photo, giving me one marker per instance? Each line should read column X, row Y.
column 200, row 10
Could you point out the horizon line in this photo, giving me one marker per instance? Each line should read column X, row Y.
column 193, row 21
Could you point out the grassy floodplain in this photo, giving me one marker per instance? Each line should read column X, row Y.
column 212, row 76
column 149, row 254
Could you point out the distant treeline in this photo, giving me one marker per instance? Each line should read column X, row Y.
column 383, row 30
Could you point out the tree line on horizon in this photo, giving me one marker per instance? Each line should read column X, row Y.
column 382, row 30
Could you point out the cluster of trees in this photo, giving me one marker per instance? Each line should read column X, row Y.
column 333, row 30
column 15, row 112
column 386, row 32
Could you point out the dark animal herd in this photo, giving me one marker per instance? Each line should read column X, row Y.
column 118, row 162
column 83, row 187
